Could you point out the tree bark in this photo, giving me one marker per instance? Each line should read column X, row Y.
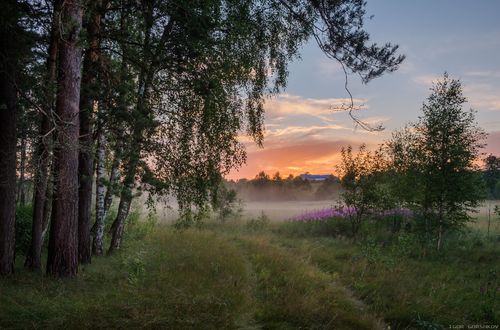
column 141, row 110
column 8, row 108
column 47, row 208
column 97, row 246
column 88, row 101
column 63, row 241
column 8, row 140
column 114, row 176
column 43, row 152
column 123, row 207
column 21, row 199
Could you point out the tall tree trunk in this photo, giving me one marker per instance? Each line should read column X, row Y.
column 63, row 241
column 97, row 246
column 43, row 152
column 8, row 108
column 21, row 191
column 88, row 103
column 124, row 206
column 141, row 110
column 114, row 176
column 47, row 208
column 8, row 118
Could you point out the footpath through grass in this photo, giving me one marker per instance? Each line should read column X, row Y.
column 196, row 279
column 261, row 276
column 457, row 287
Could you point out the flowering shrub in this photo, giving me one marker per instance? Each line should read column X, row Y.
column 337, row 221
column 400, row 211
column 325, row 214
column 349, row 211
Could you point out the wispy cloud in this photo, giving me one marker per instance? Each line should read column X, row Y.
column 426, row 80
column 483, row 74
column 288, row 105
column 493, row 143
column 482, row 90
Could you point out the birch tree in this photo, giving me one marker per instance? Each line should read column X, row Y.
column 204, row 70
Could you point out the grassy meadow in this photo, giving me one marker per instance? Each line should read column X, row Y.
column 262, row 274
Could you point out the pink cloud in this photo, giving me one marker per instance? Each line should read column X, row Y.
column 309, row 156
column 493, row 143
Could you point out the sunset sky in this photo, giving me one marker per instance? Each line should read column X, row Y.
column 461, row 37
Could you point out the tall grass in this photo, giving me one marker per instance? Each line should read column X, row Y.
column 169, row 280
column 292, row 294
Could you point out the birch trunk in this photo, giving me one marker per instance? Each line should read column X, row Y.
column 97, row 246
column 114, row 176
column 47, row 208
column 119, row 223
column 141, row 110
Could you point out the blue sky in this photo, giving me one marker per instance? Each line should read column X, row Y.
column 458, row 36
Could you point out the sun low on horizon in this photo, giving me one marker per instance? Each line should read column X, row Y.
column 304, row 133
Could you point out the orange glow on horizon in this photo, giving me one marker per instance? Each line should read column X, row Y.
column 315, row 157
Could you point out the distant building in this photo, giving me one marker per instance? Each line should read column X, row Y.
column 317, row 177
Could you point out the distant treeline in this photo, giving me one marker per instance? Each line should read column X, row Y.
column 277, row 188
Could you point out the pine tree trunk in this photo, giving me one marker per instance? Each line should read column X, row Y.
column 88, row 102
column 97, row 246
column 8, row 108
column 21, row 199
column 63, row 240
column 43, row 152
column 8, row 121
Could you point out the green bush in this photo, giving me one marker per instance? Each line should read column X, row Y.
column 24, row 219
column 259, row 223
column 330, row 227
column 138, row 229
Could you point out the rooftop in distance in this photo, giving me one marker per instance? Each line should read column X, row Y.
column 317, row 177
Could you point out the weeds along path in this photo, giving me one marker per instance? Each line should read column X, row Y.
column 168, row 280
column 290, row 293
column 194, row 279
column 410, row 293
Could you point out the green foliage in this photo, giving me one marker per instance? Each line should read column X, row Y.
column 492, row 175
column 226, row 204
column 292, row 294
column 408, row 291
column 138, row 228
column 332, row 227
column 24, row 219
column 259, row 223
column 434, row 161
column 212, row 72
column 189, row 217
column 169, row 280
column 360, row 180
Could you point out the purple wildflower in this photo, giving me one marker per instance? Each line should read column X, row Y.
column 319, row 215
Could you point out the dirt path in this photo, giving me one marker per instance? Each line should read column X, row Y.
column 291, row 293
